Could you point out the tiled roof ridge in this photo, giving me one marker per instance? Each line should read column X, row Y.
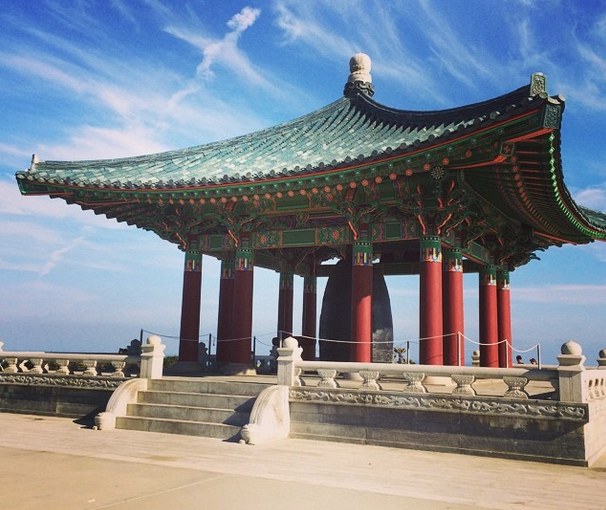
column 518, row 97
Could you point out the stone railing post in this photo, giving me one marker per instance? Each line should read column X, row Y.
column 152, row 358
column 570, row 372
column 602, row 359
column 475, row 359
column 287, row 356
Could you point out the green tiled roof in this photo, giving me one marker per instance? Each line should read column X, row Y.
column 354, row 128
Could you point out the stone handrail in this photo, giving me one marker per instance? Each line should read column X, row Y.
column 84, row 364
column 571, row 381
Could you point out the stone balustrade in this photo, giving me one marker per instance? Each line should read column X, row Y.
column 52, row 367
column 570, row 381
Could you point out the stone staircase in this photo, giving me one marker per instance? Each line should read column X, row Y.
column 193, row 406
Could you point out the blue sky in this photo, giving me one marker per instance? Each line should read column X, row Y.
column 88, row 79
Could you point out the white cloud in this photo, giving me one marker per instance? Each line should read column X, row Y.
column 223, row 52
column 12, row 150
column 464, row 62
column 17, row 230
column 244, row 19
column 12, row 203
column 593, row 198
column 565, row 294
column 30, row 299
column 57, row 256
column 89, row 142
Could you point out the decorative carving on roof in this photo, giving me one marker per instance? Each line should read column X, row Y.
column 553, row 116
column 538, row 84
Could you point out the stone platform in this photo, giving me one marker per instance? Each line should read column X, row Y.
column 55, row 463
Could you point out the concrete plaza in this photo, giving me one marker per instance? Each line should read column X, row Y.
column 54, row 463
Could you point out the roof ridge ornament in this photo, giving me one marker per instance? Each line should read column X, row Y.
column 538, row 85
column 359, row 79
column 35, row 161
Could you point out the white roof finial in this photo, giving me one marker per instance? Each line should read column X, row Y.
column 359, row 77
column 359, row 67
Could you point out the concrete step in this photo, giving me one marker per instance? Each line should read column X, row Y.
column 187, row 413
column 209, row 407
column 327, row 432
column 216, row 401
column 187, row 428
column 210, row 386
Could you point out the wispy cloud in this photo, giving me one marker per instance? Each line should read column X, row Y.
column 41, row 260
column 563, row 294
column 57, row 256
column 414, row 58
column 224, row 53
column 13, row 204
column 593, row 197
column 30, row 299
column 147, row 103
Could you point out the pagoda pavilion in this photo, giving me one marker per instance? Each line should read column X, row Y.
column 474, row 189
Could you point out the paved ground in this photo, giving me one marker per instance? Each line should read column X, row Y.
column 55, row 463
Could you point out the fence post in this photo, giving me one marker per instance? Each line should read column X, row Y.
column 152, row 358
column 570, row 372
column 602, row 359
column 287, row 356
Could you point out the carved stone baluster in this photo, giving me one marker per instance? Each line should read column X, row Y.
column 591, row 389
column 327, row 376
column 11, row 365
column 298, row 380
column 599, row 393
column 370, row 380
column 37, row 366
column 463, row 383
column 63, row 365
column 90, row 367
column 413, row 382
column 516, row 387
column 118, row 368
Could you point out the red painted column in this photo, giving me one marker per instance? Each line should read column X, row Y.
column 361, row 302
column 285, row 302
column 308, row 320
column 430, row 301
column 226, row 305
column 504, row 318
column 489, row 331
column 454, row 321
column 240, row 348
column 189, row 335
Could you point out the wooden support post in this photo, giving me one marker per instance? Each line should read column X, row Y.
column 489, row 332
column 285, row 303
column 430, row 301
column 190, row 306
column 308, row 320
column 504, row 318
column 453, row 309
column 242, row 313
column 225, row 316
column 361, row 302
